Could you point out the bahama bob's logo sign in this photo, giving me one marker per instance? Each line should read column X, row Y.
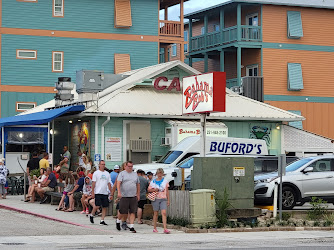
column 204, row 93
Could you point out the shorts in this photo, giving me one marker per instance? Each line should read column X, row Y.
column 77, row 195
column 65, row 193
column 48, row 189
column 117, row 206
column 141, row 204
column 101, row 200
column 2, row 189
column 128, row 204
column 159, row 204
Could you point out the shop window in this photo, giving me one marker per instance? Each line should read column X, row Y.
column 295, row 28
column 57, row 61
column 295, row 76
column 252, row 70
column 58, row 8
column 123, row 14
column 297, row 124
column 26, row 54
column 23, row 106
column 122, row 63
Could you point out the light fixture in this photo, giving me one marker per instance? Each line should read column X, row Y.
column 278, row 126
column 79, row 120
column 20, row 135
column 70, row 121
column 51, row 131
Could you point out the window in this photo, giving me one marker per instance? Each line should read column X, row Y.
column 58, row 8
column 323, row 165
column 203, row 30
column 186, row 40
column 295, row 76
column 216, row 27
column 57, row 61
column 174, row 50
column 123, row 14
column 252, row 20
column 23, row 106
column 297, row 124
column 26, row 54
column 252, row 70
column 295, row 28
column 122, row 63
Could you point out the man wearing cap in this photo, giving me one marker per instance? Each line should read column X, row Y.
column 114, row 174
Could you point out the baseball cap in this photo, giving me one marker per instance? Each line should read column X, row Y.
column 116, row 167
column 81, row 173
column 1, row 161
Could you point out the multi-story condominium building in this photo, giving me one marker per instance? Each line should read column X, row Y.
column 288, row 46
column 44, row 40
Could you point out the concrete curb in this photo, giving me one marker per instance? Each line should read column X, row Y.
column 48, row 217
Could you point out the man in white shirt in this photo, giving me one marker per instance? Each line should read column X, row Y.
column 100, row 184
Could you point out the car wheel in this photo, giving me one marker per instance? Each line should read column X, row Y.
column 288, row 198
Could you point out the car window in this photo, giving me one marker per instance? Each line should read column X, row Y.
column 170, row 157
column 297, row 164
column 187, row 156
column 187, row 163
column 323, row 165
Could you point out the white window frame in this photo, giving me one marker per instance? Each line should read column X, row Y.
column 25, row 103
column 174, row 48
column 58, row 13
column 252, row 16
column 61, row 61
column 253, row 66
column 25, row 57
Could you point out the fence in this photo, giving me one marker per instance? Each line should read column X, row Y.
column 179, row 206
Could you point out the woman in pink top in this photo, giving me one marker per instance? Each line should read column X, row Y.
column 161, row 201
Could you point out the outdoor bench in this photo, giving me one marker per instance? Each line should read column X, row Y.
column 55, row 194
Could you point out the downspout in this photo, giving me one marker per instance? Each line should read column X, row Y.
column 3, row 142
column 96, row 135
column 102, row 136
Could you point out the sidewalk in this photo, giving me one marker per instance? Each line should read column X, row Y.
column 47, row 211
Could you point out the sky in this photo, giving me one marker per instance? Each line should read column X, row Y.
column 191, row 6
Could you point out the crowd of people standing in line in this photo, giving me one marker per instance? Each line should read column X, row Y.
column 96, row 188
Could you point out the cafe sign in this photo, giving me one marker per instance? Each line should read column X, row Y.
column 204, row 93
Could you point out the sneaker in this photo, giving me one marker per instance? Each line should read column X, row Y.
column 118, row 226
column 132, row 230
column 82, row 212
column 124, row 226
column 44, row 200
column 91, row 218
column 166, row 231
column 103, row 223
column 87, row 211
column 155, row 230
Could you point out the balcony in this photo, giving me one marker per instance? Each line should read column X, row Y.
column 251, row 87
column 169, row 28
column 226, row 36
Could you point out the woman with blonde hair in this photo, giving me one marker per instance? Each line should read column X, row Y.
column 160, row 185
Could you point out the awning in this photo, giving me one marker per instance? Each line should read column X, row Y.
column 40, row 117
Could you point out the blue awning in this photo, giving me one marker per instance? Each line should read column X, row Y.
column 40, row 117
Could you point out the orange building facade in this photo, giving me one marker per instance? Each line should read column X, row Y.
column 289, row 50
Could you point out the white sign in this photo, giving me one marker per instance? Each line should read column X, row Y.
column 113, row 149
column 183, row 132
column 238, row 171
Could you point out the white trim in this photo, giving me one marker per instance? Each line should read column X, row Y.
column 252, row 16
column 26, row 57
column 25, row 103
column 54, row 61
column 253, row 66
column 58, row 13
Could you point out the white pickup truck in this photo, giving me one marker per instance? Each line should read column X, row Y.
column 214, row 145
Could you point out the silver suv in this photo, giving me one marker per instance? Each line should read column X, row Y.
column 305, row 178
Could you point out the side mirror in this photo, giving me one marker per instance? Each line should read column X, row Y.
column 308, row 169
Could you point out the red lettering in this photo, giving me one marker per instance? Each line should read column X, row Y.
column 175, row 84
column 156, row 82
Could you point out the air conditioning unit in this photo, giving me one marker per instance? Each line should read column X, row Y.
column 237, row 89
column 166, row 141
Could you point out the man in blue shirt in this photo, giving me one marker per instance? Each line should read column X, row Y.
column 114, row 174
column 48, row 186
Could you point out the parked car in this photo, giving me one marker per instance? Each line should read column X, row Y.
column 304, row 179
column 262, row 164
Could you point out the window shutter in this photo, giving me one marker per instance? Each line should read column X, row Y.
column 295, row 28
column 123, row 14
column 295, row 76
column 122, row 63
column 298, row 124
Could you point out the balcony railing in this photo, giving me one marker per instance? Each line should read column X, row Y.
column 228, row 35
column 251, row 87
column 169, row 28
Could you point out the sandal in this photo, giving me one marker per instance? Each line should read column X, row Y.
column 68, row 210
column 60, row 209
column 166, row 231
column 27, row 200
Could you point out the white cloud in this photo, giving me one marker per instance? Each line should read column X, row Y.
column 190, row 6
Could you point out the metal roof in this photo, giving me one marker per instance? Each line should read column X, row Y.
column 326, row 4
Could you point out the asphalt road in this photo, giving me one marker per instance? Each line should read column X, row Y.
column 22, row 231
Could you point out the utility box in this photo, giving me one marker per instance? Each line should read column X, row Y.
column 202, row 206
column 235, row 174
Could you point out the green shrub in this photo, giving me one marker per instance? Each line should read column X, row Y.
column 222, row 204
column 318, row 209
column 35, row 172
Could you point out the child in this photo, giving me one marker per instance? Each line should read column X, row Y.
column 3, row 178
column 87, row 192
column 70, row 182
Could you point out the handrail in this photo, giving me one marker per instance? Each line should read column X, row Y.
column 170, row 28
